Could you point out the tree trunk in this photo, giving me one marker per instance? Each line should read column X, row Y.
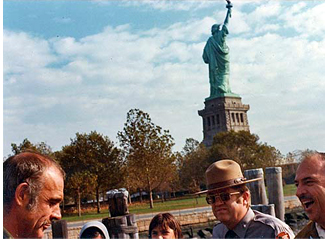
column 151, row 199
column 129, row 198
column 97, row 198
column 140, row 192
column 79, row 202
column 150, row 191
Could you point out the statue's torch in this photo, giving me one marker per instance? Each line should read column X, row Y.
column 229, row 6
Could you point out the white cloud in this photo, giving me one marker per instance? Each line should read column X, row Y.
column 268, row 28
column 282, row 80
column 305, row 21
column 266, row 11
column 238, row 22
column 22, row 51
column 191, row 30
column 283, row 63
column 104, row 75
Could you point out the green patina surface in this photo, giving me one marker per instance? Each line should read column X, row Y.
column 216, row 55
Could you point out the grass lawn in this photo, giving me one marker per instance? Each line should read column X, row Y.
column 289, row 190
column 174, row 204
column 140, row 208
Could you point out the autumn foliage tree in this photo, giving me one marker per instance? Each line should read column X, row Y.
column 148, row 152
column 194, row 162
column 41, row 147
column 244, row 148
column 92, row 164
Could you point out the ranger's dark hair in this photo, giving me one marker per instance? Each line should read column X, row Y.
column 241, row 188
column 27, row 167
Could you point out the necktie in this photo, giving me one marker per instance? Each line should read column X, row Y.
column 231, row 234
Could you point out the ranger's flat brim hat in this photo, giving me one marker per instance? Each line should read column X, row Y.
column 224, row 174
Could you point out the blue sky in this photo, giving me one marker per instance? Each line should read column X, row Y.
column 78, row 66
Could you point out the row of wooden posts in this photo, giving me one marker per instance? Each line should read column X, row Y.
column 123, row 225
column 273, row 177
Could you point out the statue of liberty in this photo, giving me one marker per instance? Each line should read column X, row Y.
column 216, row 54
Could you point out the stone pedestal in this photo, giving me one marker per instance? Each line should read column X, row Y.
column 223, row 114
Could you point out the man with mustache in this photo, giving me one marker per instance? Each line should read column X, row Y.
column 230, row 201
column 32, row 192
column 310, row 182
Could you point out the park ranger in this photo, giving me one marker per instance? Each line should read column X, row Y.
column 230, row 201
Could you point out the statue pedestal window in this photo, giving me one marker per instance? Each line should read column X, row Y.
column 223, row 114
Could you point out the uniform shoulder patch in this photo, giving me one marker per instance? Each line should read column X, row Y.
column 283, row 235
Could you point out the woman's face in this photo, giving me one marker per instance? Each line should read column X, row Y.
column 159, row 233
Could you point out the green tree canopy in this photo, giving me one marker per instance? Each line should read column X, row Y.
column 148, row 152
column 93, row 160
column 193, row 166
column 244, row 148
column 41, row 147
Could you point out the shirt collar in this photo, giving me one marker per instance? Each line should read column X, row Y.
column 242, row 226
column 320, row 231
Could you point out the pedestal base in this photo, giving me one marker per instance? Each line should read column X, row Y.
column 223, row 114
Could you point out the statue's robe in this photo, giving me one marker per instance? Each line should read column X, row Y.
column 216, row 54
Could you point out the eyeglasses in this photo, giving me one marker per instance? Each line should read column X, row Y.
column 223, row 196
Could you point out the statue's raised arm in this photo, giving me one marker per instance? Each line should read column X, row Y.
column 229, row 6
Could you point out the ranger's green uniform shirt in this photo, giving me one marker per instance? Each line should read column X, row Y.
column 256, row 225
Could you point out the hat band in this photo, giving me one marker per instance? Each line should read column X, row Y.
column 231, row 182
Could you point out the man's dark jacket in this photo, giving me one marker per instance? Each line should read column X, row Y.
column 309, row 231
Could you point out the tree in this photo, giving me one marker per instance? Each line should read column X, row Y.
column 41, row 147
column 79, row 183
column 244, row 148
column 299, row 155
column 92, row 163
column 148, row 152
column 193, row 166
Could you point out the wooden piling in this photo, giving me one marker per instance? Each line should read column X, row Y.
column 267, row 209
column 273, row 177
column 118, row 203
column 122, row 227
column 257, row 188
column 60, row 229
